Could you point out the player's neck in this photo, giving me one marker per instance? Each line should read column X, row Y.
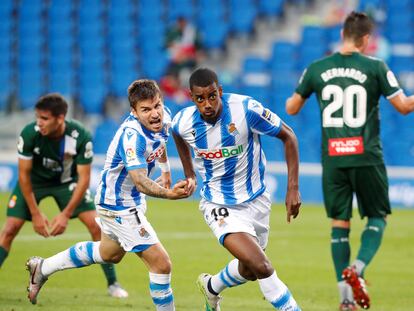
column 59, row 133
column 349, row 48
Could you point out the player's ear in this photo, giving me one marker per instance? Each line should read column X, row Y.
column 342, row 34
column 220, row 89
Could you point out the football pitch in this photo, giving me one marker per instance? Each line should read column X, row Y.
column 299, row 251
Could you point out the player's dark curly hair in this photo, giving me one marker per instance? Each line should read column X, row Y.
column 357, row 25
column 141, row 90
column 203, row 77
column 53, row 102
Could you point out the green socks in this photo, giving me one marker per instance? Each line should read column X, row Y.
column 3, row 255
column 340, row 250
column 109, row 270
column 371, row 240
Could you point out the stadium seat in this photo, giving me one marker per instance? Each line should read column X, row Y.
column 283, row 57
column 271, row 7
column 103, row 135
column 242, row 16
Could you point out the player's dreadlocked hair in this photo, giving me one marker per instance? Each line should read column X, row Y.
column 203, row 77
column 53, row 102
column 357, row 25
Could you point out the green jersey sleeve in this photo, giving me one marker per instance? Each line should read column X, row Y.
column 85, row 148
column 25, row 143
column 387, row 81
column 304, row 88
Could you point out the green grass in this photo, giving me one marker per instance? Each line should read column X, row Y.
column 299, row 251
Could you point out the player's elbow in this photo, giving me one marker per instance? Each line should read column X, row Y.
column 290, row 108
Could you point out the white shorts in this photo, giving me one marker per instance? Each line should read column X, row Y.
column 250, row 217
column 129, row 228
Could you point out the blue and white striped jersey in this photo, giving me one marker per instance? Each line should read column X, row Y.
column 228, row 154
column 132, row 147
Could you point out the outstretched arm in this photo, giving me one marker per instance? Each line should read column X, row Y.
column 294, row 104
column 402, row 103
column 293, row 200
column 146, row 185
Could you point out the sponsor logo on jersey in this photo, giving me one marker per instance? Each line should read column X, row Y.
column 226, row 152
column 157, row 153
column 345, row 146
column 52, row 165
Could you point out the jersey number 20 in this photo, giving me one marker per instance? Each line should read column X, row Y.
column 353, row 115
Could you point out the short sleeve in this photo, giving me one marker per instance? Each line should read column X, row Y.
column 388, row 82
column 85, row 148
column 261, row 120
column 175, row 123
column 132, row 149
column 25, row 143
column 304, row 88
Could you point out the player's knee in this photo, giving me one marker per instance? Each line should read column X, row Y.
column 9, row 232
column 164, row 266
column 112, row 258
column 263, row 269
column 246, row 272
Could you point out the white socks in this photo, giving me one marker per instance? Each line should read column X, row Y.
column 161, row 291
column 80, row 255
column 277, row 293
column 228, row 277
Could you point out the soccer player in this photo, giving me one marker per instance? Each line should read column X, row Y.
column 224, row 132
column 348, row 86
column 138, row 144
column 55, row 156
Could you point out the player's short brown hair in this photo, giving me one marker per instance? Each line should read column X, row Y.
column 142, row 89
column 53, row 102
column 357, row 25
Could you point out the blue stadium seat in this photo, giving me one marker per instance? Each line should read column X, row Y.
column 214, row 35
column 62, row 82
column 284, row 56
column 92, row 97
column 155, row 65
column 180, row 8
column 271, row 7
column 254, row 64
column 103, row 135
column 242, row 15
column 120, row 80
column 31, row 87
